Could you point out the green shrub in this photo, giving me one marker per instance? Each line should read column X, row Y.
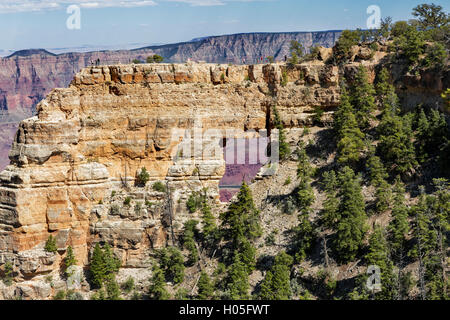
column 159, row 186
column 128, row 285
column 127, row 201
column 8, row 273
column 194, row 202
column 50, row 245
column 136, row 61
column 284, row 80
column 287, row 181
column 60, row 295
column 143, row 177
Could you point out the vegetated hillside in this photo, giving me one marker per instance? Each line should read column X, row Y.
column 372, row 190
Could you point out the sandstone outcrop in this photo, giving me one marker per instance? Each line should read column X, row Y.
column 92, row 138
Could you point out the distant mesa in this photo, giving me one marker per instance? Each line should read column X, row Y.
column 30, row 52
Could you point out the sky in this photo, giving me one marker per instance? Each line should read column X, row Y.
column 43, row 24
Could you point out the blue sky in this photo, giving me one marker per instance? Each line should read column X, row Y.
column 42, row 24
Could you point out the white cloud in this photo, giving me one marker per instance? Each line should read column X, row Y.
column 9, row 6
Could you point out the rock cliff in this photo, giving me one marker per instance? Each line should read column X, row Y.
column 74, row 165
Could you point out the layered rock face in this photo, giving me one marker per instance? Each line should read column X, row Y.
column 93, row 138
column 27, row 76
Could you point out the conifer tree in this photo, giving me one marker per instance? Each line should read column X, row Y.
column 378, row 176
column 97, row 266
column 304, row 237
column 305, row 193
column 171, row 261
column 205, row 287
column 237, row 284
column 351, row 226
column 157, row 289
column 379, row 255
column 363, row 98
column 50, row 244
column 350, row 137
column 330, row 212
column 276, row 284
column 210, row 231
column 396, row 146
column 284, row 149
column 398, row 230
column 190, row 230
column 69, row 260
column 241, row 220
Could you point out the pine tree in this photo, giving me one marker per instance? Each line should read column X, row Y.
column 396, row 146
column 171, row 261
column 436, row 263
column 157, row 289
column 425, row 240
column 210, row 231
column 350, row 137
column 378, row 176
column 190, row 230
column 363, row 98
column 379, row 255
column 97, row 266
column 103, row 265
column 305, row 193
column 205, row 287
column 351, row 226
column 69, row 260
column 112, row 290
column 398, row 230
column 284, row 149
column 111, row 262
column 241, row 220
column 248, row 255
column 276, row 284
column 330, row 213
column 304, row 237
column 237, row 284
